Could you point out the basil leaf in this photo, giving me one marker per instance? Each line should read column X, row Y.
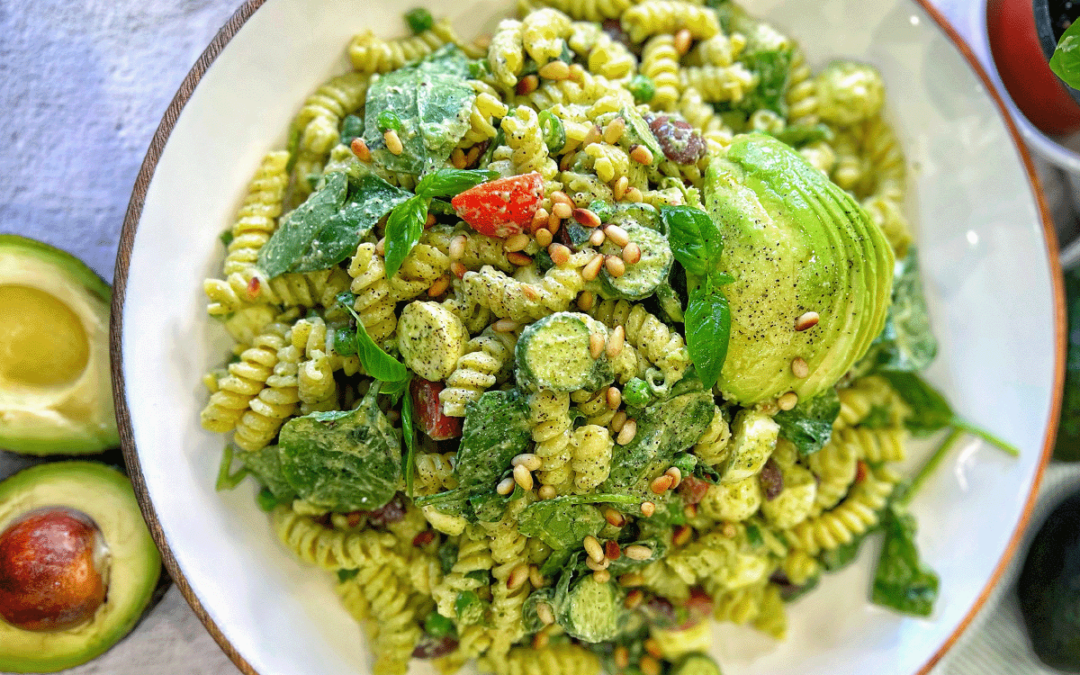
column 808, row 426
column 694, row 238
column 375, row 361
column 708, row 326
column 409, row 434
column 449, row 182
column 403, row 230
column 930, row 411
column 902, row 580
column 1066, row 59
column 496, row 429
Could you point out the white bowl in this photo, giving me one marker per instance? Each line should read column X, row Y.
column 989, row 259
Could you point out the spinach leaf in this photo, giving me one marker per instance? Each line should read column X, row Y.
column 448, row 182
column 327, row 227
column 844, row 554
column 902, row 580
column 448, row 554
column 529, row 615
column 559, row 560
column 879, row 417
column 351, row 127
column 799, row 135
column 768, row 55
column 433, row 103
column 694, row 238
column 496, row 429
column 906, row 343
column 560, row 525
column 1066, row 59
column 265, row 464
column 409, row 433
column 343, row 460
column 708, row 327
column 626, row 564
column 930, row 412
column 375, row 361
column 809, row 424
column 403, row 230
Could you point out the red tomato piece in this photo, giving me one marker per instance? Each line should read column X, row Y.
column 503, row 207
column 698, row 607
column 428, row 411
column 692, row 489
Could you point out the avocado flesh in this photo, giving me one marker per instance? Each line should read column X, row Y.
column 794, row 242
column 55, row 389
column 105, row 495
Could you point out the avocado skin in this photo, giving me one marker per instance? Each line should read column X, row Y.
column 106, row 495
column 794, row 242
column 1049, row 588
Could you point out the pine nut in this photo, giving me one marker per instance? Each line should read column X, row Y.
column 553, row 224
column 544, row 613
column 631, row 254
column 597, row 238
column 535, row 578
column 457, row 158
column 683, row 39
column 560, row 255
column 681, row 535
column 614, row 130
column 652, row 647
column 619, row 191
column 505, row 486
column 627, row 433
column 527, row 460
column 516, row 242
column 596, row 345
column 543, row 237
column 439, row 287
column 618, row 421
column 614, row 518
column 637, row 551
column 361, row 149
column 614, row 398
column 641, row 154
column 380, row 246
column 631, row 579
column 518, row 258
column 633, row 600
column 541, row 639
column 472, row 156
column 729, row 530
column 633, row 195
column 518, row 576
column 617, row 235
column 527, row 85
column 562, row 210
column 393, row 142
column 615, row 266
column 523, row 477
column 601, row 576
column 458, row 269
column 555, row 70
column 690, row 511
column 676, row 476
column 592, row 268
column 612, row 550
column 788, row 401
column 547, row 492
column 560, row 197
column 593, row 548
column 565, row 161
column 649, row 666
column 799, row 368
column 539, row 220
column 660, row 484
column 586, row 301
column 505, row 326
column 616, row 341
column 530, row 291
column 647, row 509
column 587, row 218
column 621, row 655
column 593, row 135
column 807, row 321
column 597, row 566
column 429, row 221
column 457, row 247
column 577, row 72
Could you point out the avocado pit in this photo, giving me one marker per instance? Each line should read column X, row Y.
column 54, row 566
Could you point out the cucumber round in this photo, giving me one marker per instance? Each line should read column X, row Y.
column 696, row 664
column 554, row 354
column 593, row 612
column 643, row 277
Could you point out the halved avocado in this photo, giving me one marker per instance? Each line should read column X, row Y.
column 795, row 243
column 104, row 496
column 55, row 391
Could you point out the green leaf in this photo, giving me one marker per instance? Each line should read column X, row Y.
column 930, row 411
column 265, row 464
column 768, row 55
column 902, row 580
column 409, row 433
column 403, row 230
column 708, row 327
column 449, row 182
column 343, row 460
column 329, row 225
column 798, row 135
column 1066, row 59
column 496, row 429
column 809, row 424
column 844, row 554
column 375, row 361
column 906, row 343
column 694, row 238
column 561, row 525
column 226, row 480
column 351, row 127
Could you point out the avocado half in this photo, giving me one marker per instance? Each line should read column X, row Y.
column 795, row 243
column 55, row 390
column 105, row 495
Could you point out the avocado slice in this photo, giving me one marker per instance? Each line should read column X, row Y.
column 795, row 243
column 105, row 496
column 55, row 389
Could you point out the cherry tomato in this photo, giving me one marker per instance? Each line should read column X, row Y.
column 1024, row 70
column 428, row 411
column 502, row 207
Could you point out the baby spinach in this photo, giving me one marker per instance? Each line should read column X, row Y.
column 626, row 564
column 375, row 361
column 496, row 429
column 225, row 479
column 351, row 127
column 265, row 464
column 902, row 580
column 560, row 525
column 809, row 424
column 768, row 55
column 328, row 226
column 844, row 554
column 343, row 460
column 906, row 343
column 799, row 135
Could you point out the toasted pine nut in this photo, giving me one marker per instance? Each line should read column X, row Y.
column 647, row 509
column 596, row 345
column 807, row 321
column 560, row 255
column 457, row 247
column 612, row 551
column 535, row 578
column 505, row 486
column 539, row 220
column 616, row 341
column 641, row 154
column 676, row 476
column 649, row 666
column 527, row 460
column 637, row 551
column 631, row 254
column 614, row 130
column 577, row 71
column 562, row 210
column 393, row 142
column 597, row 237
column 530, row 291
column 627, row 433
column 593, row 135
column 586, row 301
column 614, row 398
column 518, row 576
column 682, row 41
column 429, row 221
column 634, row 195
column 615, row 266
column 690, row 510
column 439, row 286
column 653, row 647
column 544, row 613
column 547, row 492
column 632, row 601
column 788, row 401
column 380, row 246
column 523, row 477
column 527, row 85
column 554, row 70
column 518, row 258
column 543, row 237
column 729, row 530
column 560, row 197
column 542, row 639
column 800, row 368
column 516, row 242
column 601, row 576
column 472, row 155
column 457, row 158
column 361, row 149
column 592, row 268
column 458, row 269
column 504, row 325
column 619, row 190
column 593, row 548
column 660, row 484
column 618, row 421
column 632, row 579
column 597, row 566
column 614, row 518
column 681, row 535
column 617, row 235
column 565, row 161
column 554, row 223
column 587, row 218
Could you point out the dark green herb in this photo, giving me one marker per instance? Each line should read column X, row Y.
column 226, row 237
column 708, row 326
column 1066, row 59
column 437, row 625
column 559, row 524
column 266, row 500
column 605, row 211
column 265, row 464
column 408, row 431
column 449, row 182
column 879, row 417
column 844, row 554
column 694, row 238
column 553, row 130
column 642, row 88
column 809, row 424
column 225, row 479
column 351, row 127
column 448, row 553
column 344, row 341
column 419, row 20
column 347, row 575
column 469, row 608
column 496, row 429
column 902, row 580
column 375, row 361
column 768, row 55
column 403, row 230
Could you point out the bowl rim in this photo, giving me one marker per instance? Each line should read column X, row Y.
column 134, row 213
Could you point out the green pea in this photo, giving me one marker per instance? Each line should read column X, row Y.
column 388, row 120
column 685, row 462
column 345, row 341
column 478, row 69
column 637, row 392
column 553, row 130
column 436, row 625
column 469, row 607
column 642, row 88
column 419, row 20
column 266, row 500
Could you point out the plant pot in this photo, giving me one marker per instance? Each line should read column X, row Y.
column 1052, row 18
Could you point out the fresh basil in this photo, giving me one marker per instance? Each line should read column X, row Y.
column 694, row 238
column 808, row 426
column 329, row 225
column 1066, row 59
column 403, row 230
column 375, row 361
column 409, row 433
column 708, row 327
column 449, row 182
column 902, row 581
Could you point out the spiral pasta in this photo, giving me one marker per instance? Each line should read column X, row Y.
column 486, row 356
column 549, row 417
column 506, row 54
column 487, row 108
column 591, row 450
column 591, row 10
column 332, row 549
column 371, row 54
column 718, row 83
column 524, row 137
column 374, row 302
column 801, row 94
column 594, row 406
column 257, row 218
column 565, row 659
column 854, row 516
column 246, row 378
column 543, row 34
column 420, row 269
column 611, row 59
column 660, row 62
column 654, row 17
column 655, row 341
column 507, row 599
column 474, row 555
column 712, row 446
column 434, row 472
column 274, row 404
column 507, row 297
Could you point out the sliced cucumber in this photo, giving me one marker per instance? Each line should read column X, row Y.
column 696, row 664
column 592, row 611
column 554, row 353
column 638, row 133
column 641, row 279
